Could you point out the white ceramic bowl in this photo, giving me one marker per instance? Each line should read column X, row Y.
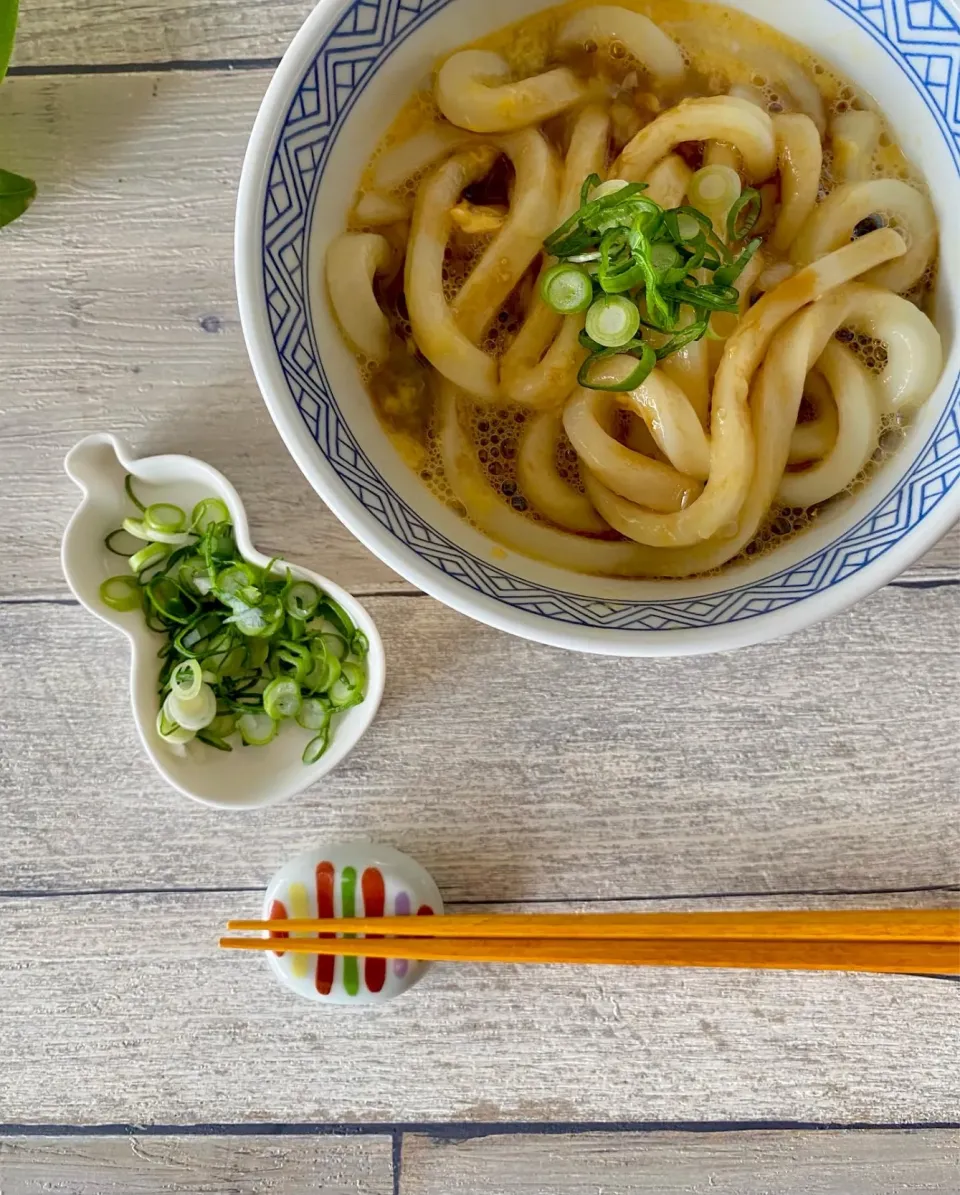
column 334, row 94
column 245, row 778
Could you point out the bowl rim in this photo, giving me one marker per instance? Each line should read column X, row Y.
column 800, row 614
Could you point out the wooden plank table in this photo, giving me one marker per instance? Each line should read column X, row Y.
column 809, row 772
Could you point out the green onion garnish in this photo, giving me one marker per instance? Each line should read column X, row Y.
column 121, row 593
column 567, row 289
column 164, row 517
column 208, row 512
column 715, row 189
column 243, row 648
column 612, row 321
column 744, row 215
column 646, row 363
column 147, row 557
column 630, row 264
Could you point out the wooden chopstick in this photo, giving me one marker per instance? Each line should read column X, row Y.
column 913, row 958
column 875, row 925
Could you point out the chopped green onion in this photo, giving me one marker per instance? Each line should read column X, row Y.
column 316, row 747
column 194, row 713
column 325, row 672
column 164, row 517
column 281, row 698
column 148, row 556
column 212, row 740
column 132, row 543
column 665, row 257
column 170, row 732
column 223, row 726
column 128, row 486
column 186, row 680
column 347, row 689
column 336, row 614
column 646, row 364
column 590, row 183
column 257, row 730
column 169, row 600
column 744, row 215
column 301, row 600
column 688, row 227
column 139, row 528
column 208, row 512
column 244, row 647
column 314, row 713
column 193, row 573
column 715, row 189
column 612, row 321
column 567, row 289
column 121, row 593
column 294, row 659
column 610, row 187
column 231, row 581
column 690, row 334
column 727, row 275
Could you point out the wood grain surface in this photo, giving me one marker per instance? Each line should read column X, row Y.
column 118, row 311
column 121, row 1008
column 104, row 32
column 214, row 1165
column 749, row 1163
column 119, row 314
column 515, row 771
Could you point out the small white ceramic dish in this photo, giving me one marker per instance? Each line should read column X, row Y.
column 359, row 879
column 245, row 778
column 334, row 95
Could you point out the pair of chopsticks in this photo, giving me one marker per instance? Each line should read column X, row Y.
column 891, row 941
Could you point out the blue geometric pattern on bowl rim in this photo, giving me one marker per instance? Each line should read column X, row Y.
column 920, row 35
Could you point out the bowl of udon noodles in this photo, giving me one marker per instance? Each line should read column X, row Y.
column 618, row 327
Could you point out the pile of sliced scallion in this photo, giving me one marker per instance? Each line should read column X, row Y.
column 632, row 265
column 245, row 648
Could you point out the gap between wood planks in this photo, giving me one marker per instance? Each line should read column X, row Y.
column 913, row 890
column 916, row 583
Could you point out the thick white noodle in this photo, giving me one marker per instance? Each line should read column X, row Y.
column 353, row 259
column 402, row 162
column 644, row 41
column 474, row 91
column 373, row 207
column 447, row 334
column 435, row 329
column 533, row 212
column 714, row 51
column 833, row 222
column 540, row 480
column 724, row 324
column 668, row 181
column 855, row 136
column 858, row 433
column 539, row 369
column 718, row 511
column 800, row 158
column 672, row 422
column 716, row 118
column 813, row 439
column 690, row 370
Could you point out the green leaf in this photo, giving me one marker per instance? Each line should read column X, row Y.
column 16, row 194
column 8, row 29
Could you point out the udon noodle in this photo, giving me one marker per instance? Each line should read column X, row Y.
column 776, row 340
